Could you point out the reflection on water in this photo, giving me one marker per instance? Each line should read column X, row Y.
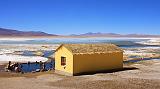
column 46, row 54
column 25, row 67
column 28, row 53
column 138, row 60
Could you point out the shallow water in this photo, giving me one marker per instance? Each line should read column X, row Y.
column 25, row 67
column 138, row 60
column 45, row 53
column 69, row 40
column 121, row 42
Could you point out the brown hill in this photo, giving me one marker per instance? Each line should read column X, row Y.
column 9, row 32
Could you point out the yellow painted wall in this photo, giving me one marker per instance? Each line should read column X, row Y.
column 62, row 51
column 97, row 62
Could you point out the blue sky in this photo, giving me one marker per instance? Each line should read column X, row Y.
column 81, row 16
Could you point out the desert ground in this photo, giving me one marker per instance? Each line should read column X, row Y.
column 139, row 75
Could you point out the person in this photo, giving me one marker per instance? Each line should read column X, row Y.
column 29, row 63
column 51, row 65
column 21, row 68
column 44, row 66
column 12, row 67
column 41, row 65
column 17, row 67
column 9, row 65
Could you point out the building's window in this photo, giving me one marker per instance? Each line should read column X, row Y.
column 63, row 61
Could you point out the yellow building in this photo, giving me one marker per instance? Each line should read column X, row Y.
column 75, row 59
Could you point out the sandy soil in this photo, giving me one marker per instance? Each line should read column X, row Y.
column 141, row 75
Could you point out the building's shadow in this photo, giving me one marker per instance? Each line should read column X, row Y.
column 107, row 71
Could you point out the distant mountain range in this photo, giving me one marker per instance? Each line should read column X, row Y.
column 98, row 34
column 10, row 32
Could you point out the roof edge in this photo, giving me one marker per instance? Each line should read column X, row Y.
column 63, row 46
column 59, row 47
